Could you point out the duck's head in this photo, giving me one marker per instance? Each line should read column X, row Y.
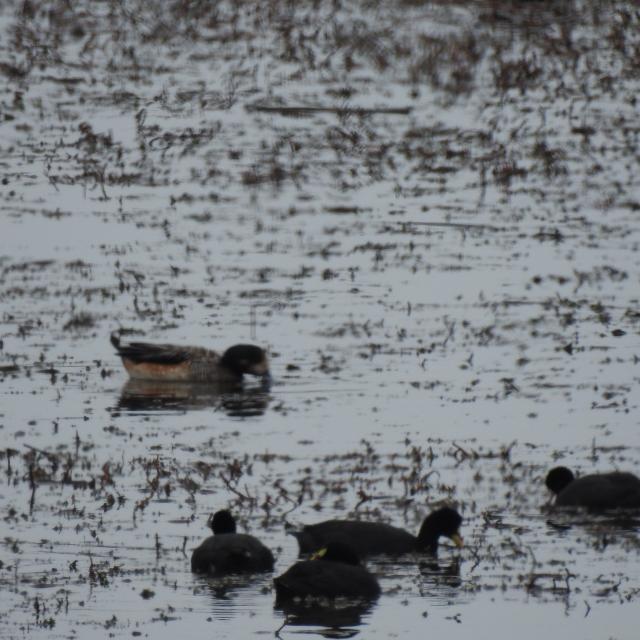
column 222, row 522
column 446, row 522
column 246, row 358
column 337, row 552
column 558, row 478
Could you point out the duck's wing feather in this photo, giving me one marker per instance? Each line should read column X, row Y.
column 156, row 353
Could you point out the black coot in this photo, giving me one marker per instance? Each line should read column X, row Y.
column 229, row 552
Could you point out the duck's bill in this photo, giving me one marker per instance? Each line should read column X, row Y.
column 457, row 540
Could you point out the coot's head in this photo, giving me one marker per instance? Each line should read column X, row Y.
column 446, row 522
column 559, row 478
column 222, row 522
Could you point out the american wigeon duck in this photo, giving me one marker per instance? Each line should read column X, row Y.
column 372, row 538
column 171, row 363
column 334, row 571
column 229, row 552
column 614, row 490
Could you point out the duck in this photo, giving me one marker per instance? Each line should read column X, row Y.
column 229, row 552
column 333, row 571
column 372, row 538
column 172, row 363
column 613, row 490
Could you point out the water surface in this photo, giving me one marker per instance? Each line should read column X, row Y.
column 426, row 212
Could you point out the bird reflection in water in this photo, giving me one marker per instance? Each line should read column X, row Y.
column 232, row 596
column 223, row 587
column 440, row 579
column 236, row 400
column 336, row 619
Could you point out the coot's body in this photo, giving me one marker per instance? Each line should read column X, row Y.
column 372, row 538
column 334, row 572
column 614, row 490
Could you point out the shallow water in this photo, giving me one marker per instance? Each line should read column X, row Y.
column 447, row 285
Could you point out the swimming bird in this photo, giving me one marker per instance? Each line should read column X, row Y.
column 616, row 489
column 334, row 571
column 171, row 363
column 372, row 538
column 229, row 552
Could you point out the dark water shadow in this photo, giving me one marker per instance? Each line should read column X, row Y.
column 236, row 400
column 338, row 619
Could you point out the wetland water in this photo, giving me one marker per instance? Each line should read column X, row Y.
column 428, row 212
